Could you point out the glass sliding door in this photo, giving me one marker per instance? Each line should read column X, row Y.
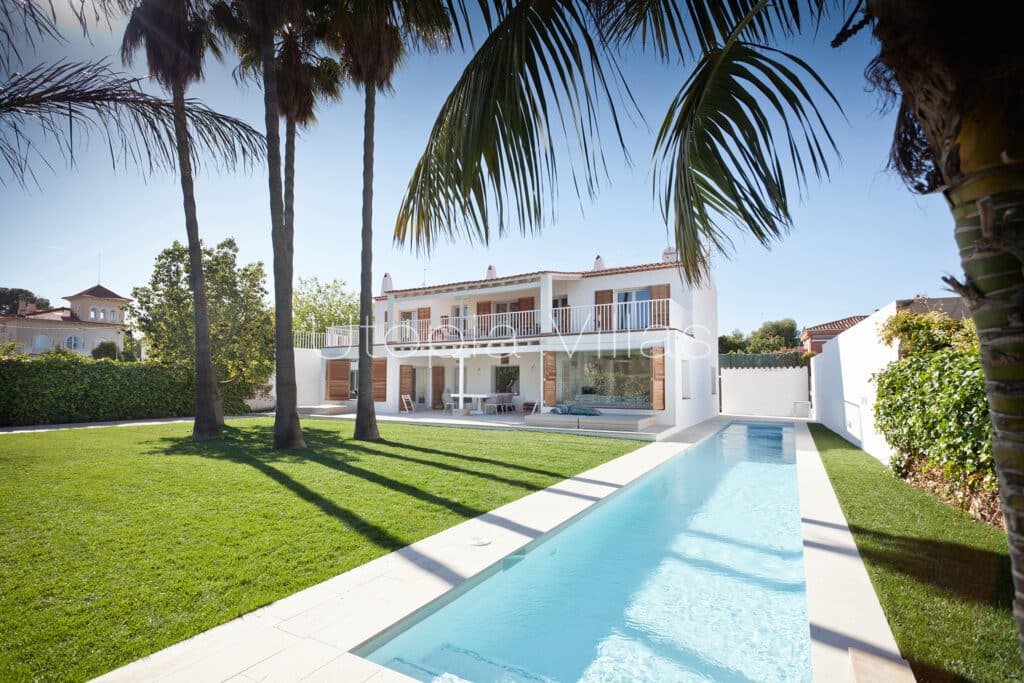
column 633, row 309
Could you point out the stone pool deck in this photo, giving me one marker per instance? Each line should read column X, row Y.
column 308, row 636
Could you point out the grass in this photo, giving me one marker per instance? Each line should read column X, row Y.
column 943, row 578
column 117, row 542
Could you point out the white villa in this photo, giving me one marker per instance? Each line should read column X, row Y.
column 630, row 340
column 94, row 315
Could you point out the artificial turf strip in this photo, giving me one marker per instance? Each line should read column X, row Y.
column 943, row 578
column 117, row 542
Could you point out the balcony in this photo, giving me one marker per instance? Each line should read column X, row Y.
column 614, row 317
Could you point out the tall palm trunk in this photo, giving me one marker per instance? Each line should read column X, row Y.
column 366, row 416
column 289, row 175
column 287, row 431
column 209, row 415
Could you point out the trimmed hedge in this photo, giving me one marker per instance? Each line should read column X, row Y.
column 57, row 388
column 787, row 359
column 932, row 406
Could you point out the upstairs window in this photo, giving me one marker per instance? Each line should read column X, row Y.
column 94, row 314
column 103, row 314
column 113, row 315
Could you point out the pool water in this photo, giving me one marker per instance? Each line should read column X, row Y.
column 692, row 573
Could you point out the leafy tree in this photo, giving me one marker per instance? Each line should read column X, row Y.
column 319, row 305
column 176, row 35
column 105, row 349
column 918, row 333
column 774, row 335
column 734, row 342
column 241, row 323
column 746, row 116
column 11, row 296
column 371, row 37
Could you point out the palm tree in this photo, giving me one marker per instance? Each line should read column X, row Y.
column 955, row 72
column 254, row 26
column 176, row 36
column 371, row 37
column 66, row 102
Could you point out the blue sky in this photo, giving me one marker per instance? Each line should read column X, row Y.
column 859, row 240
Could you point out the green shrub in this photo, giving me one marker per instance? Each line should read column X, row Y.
column 56, row 388
column 932, row 407
column 105, row 349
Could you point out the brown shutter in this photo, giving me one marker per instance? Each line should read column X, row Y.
column 436, row 385
column 423, row 324
column 528, row 316
column 483, row 327
column 550, row 378
column 338, row 373
column 658, row 378
column 659, row 308
column 404, row 381
column 603, row 318
column 380, row 379
column 483, row 307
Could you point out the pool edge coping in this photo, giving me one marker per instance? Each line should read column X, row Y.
column 846, row 619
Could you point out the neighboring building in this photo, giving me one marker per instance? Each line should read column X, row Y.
column 816, row 335
column 94, row 315
column 842, row 389
column 632, row 339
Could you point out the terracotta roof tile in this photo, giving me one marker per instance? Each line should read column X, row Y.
column 579, row 273
column 100, row 292
column 835, row 325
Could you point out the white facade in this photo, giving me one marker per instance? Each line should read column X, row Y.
column 597, row 332
column 765, row 392
column 842, row 389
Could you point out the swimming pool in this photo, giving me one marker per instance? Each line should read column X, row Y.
column 692, row 573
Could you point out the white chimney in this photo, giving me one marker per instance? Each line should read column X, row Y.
column 387, row 284
column 669, row 255
column 491, row 273
column 599, row 263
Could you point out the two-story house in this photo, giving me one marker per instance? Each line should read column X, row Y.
column 93, row 316
column 632, row 339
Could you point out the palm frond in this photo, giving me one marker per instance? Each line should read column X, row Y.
column 692, row 28
column 719, row 153
column 67, row 103
column 490, row 162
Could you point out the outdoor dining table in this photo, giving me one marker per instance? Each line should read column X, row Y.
column 478, row 401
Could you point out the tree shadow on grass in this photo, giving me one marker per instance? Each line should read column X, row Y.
column 964, row 572
column 250, row 446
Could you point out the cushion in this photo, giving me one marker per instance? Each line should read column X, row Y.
column 583, row 410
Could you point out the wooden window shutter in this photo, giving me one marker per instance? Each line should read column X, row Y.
column 338, row 373
column 423, row 323
column 603, row 318
column 659, row 307
column 405, row 380
column 658, row 378
column 483, row 307
column 529, row 318
column 550, row 378
column 436, row 386
column 380, row 379
column 526, row 303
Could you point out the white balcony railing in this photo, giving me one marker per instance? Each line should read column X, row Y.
column 636, row 315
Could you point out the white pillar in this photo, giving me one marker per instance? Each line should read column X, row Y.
column 462, row 382
column 545, row 304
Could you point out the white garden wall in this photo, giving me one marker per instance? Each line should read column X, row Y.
column 764, row 392
column 844, row 395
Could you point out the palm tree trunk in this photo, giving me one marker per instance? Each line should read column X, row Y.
column 209, row 415
column 289, row 175
column 989, row 214
column 366, row 416
column 287, row 431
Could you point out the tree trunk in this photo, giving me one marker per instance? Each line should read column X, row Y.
column 366, row 417
column 955, row 72
column 287, row 431
column 209, row 415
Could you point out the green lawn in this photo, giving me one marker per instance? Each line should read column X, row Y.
column 942, row 577
column 117, row 542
